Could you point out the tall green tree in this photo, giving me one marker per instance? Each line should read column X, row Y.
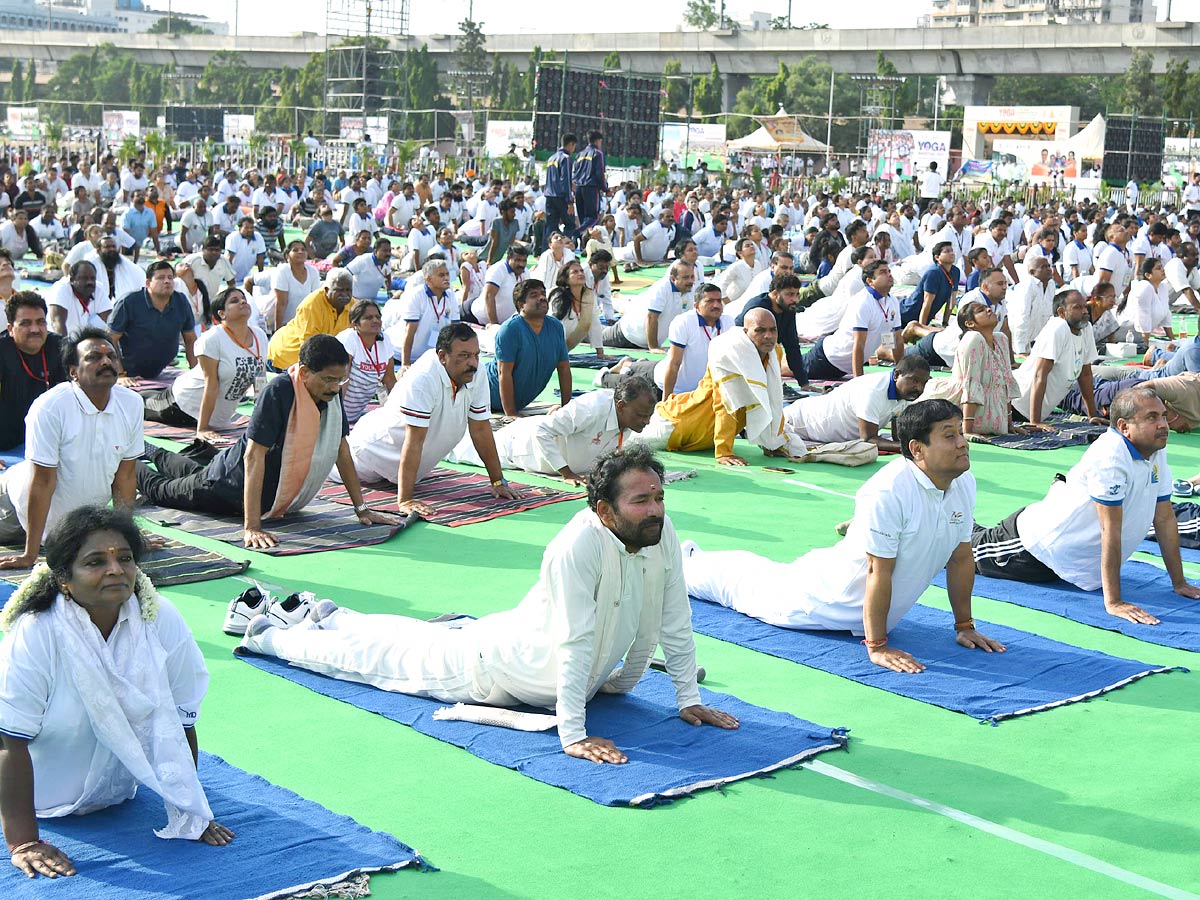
column 710, row 92
column 678, row 88
column 1140, row 92
column 702, row 14
column 16, row 84
column 30, row 92
column 173, row 24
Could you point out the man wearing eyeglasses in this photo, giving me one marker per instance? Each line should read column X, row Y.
column 296, row 435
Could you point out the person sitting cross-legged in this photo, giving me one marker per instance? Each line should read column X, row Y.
column 611, row 588
column 912, row 519
column 296, row 435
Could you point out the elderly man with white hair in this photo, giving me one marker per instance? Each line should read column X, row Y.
column 425, row 312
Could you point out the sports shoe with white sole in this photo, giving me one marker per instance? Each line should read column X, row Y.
column 323, row 610
column 251, row 602
column 293, row 610
column 255, row 627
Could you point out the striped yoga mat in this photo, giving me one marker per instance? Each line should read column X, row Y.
column 174, row 563
column 1070, row 431
column 320, row 526
column 165, row 378
column 458, row 498
column 228, row 434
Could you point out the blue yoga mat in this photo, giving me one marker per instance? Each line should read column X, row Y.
column 1034, row 674
column 1185, row 553
column 282, row 843
column 1141, row 583
column 667, row 757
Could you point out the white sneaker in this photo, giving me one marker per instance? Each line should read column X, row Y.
column 598, row 380
column 293, row 610
column 251, row 602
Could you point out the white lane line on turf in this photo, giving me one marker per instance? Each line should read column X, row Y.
column 1082, row 860
column 817, row 487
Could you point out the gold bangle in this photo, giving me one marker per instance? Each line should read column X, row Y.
column 965, row 625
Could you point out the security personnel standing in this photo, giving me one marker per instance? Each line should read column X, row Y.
column 590, row 180
column 559, row 194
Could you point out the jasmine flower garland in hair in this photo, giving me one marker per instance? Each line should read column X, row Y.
column 41, row 579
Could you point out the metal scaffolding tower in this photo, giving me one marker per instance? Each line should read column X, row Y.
column 364, row 41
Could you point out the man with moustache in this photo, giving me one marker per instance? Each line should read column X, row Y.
column 82, row 438
column 530, row 347
column 436, row 403
column 297, row 433
column 30, row 364
column 611, row 588
column 1092, row 520
column 912, row 519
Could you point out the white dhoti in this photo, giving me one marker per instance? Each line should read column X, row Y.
column 393, row 653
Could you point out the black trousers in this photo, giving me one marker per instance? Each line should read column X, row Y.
column 160, row 407
column 818, row 366
column 999, row 553
column 557, row 217
column 587, row 208
column 181, row 482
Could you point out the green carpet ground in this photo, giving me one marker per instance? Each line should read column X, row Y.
column 1098, row 778
column 1111, row 782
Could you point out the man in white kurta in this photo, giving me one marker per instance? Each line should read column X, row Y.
column 568, row 441
column 611, row 588
column 911, row 520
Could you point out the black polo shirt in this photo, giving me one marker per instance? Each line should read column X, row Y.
column 24, row 378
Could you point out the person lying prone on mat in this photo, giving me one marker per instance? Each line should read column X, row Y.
column 911, row 520
column 611, row 588
column 568, row 441
column 741, row 389
column 101, row 689
column 1092, row 520
column 297, row 434
column 439, row 403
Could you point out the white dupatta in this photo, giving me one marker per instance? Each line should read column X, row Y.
column 126, row 693
column 736, row 367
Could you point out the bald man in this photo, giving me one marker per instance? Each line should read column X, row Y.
column 741, row 389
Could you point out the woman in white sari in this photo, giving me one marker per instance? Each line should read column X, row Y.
column 100, row 688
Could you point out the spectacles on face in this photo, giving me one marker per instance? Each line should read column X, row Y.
column 333, row 381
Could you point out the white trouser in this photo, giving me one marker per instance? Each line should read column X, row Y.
column 657, row 432
column 754, row 586
column 394, row 653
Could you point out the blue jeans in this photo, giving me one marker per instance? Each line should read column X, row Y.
column 1186, row 359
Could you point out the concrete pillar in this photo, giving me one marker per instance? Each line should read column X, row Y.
column 968, row 90
column 731, row 84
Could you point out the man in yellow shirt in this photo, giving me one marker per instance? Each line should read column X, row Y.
column 324, row 311
column 734, row 394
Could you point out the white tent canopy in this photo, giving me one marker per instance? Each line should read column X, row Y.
column 779, row 133
column 1089, row 143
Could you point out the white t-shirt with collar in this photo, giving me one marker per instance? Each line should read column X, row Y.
column 1063, row 530
column 431, row 314
column 502, row 276
column 1116, row 260
column 64, row 431
column 866, row 311
column 693, row 336
column 423, row 398
column 834, row 416
column 1069, row 351
column 1077, row 254
column 62, row 295
column 898, row 514
column 663, row 298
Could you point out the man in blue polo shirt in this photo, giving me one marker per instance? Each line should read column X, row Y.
column 559, row 195
column 935, row 291
column 530, row 347
column 148, row 323
column 140, row 222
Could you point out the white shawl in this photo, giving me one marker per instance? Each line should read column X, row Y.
column 737, row 368
column 126, row 692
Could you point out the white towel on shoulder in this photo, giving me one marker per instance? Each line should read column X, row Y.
column 744, row 384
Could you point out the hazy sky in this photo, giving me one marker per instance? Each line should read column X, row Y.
column 623, row 15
